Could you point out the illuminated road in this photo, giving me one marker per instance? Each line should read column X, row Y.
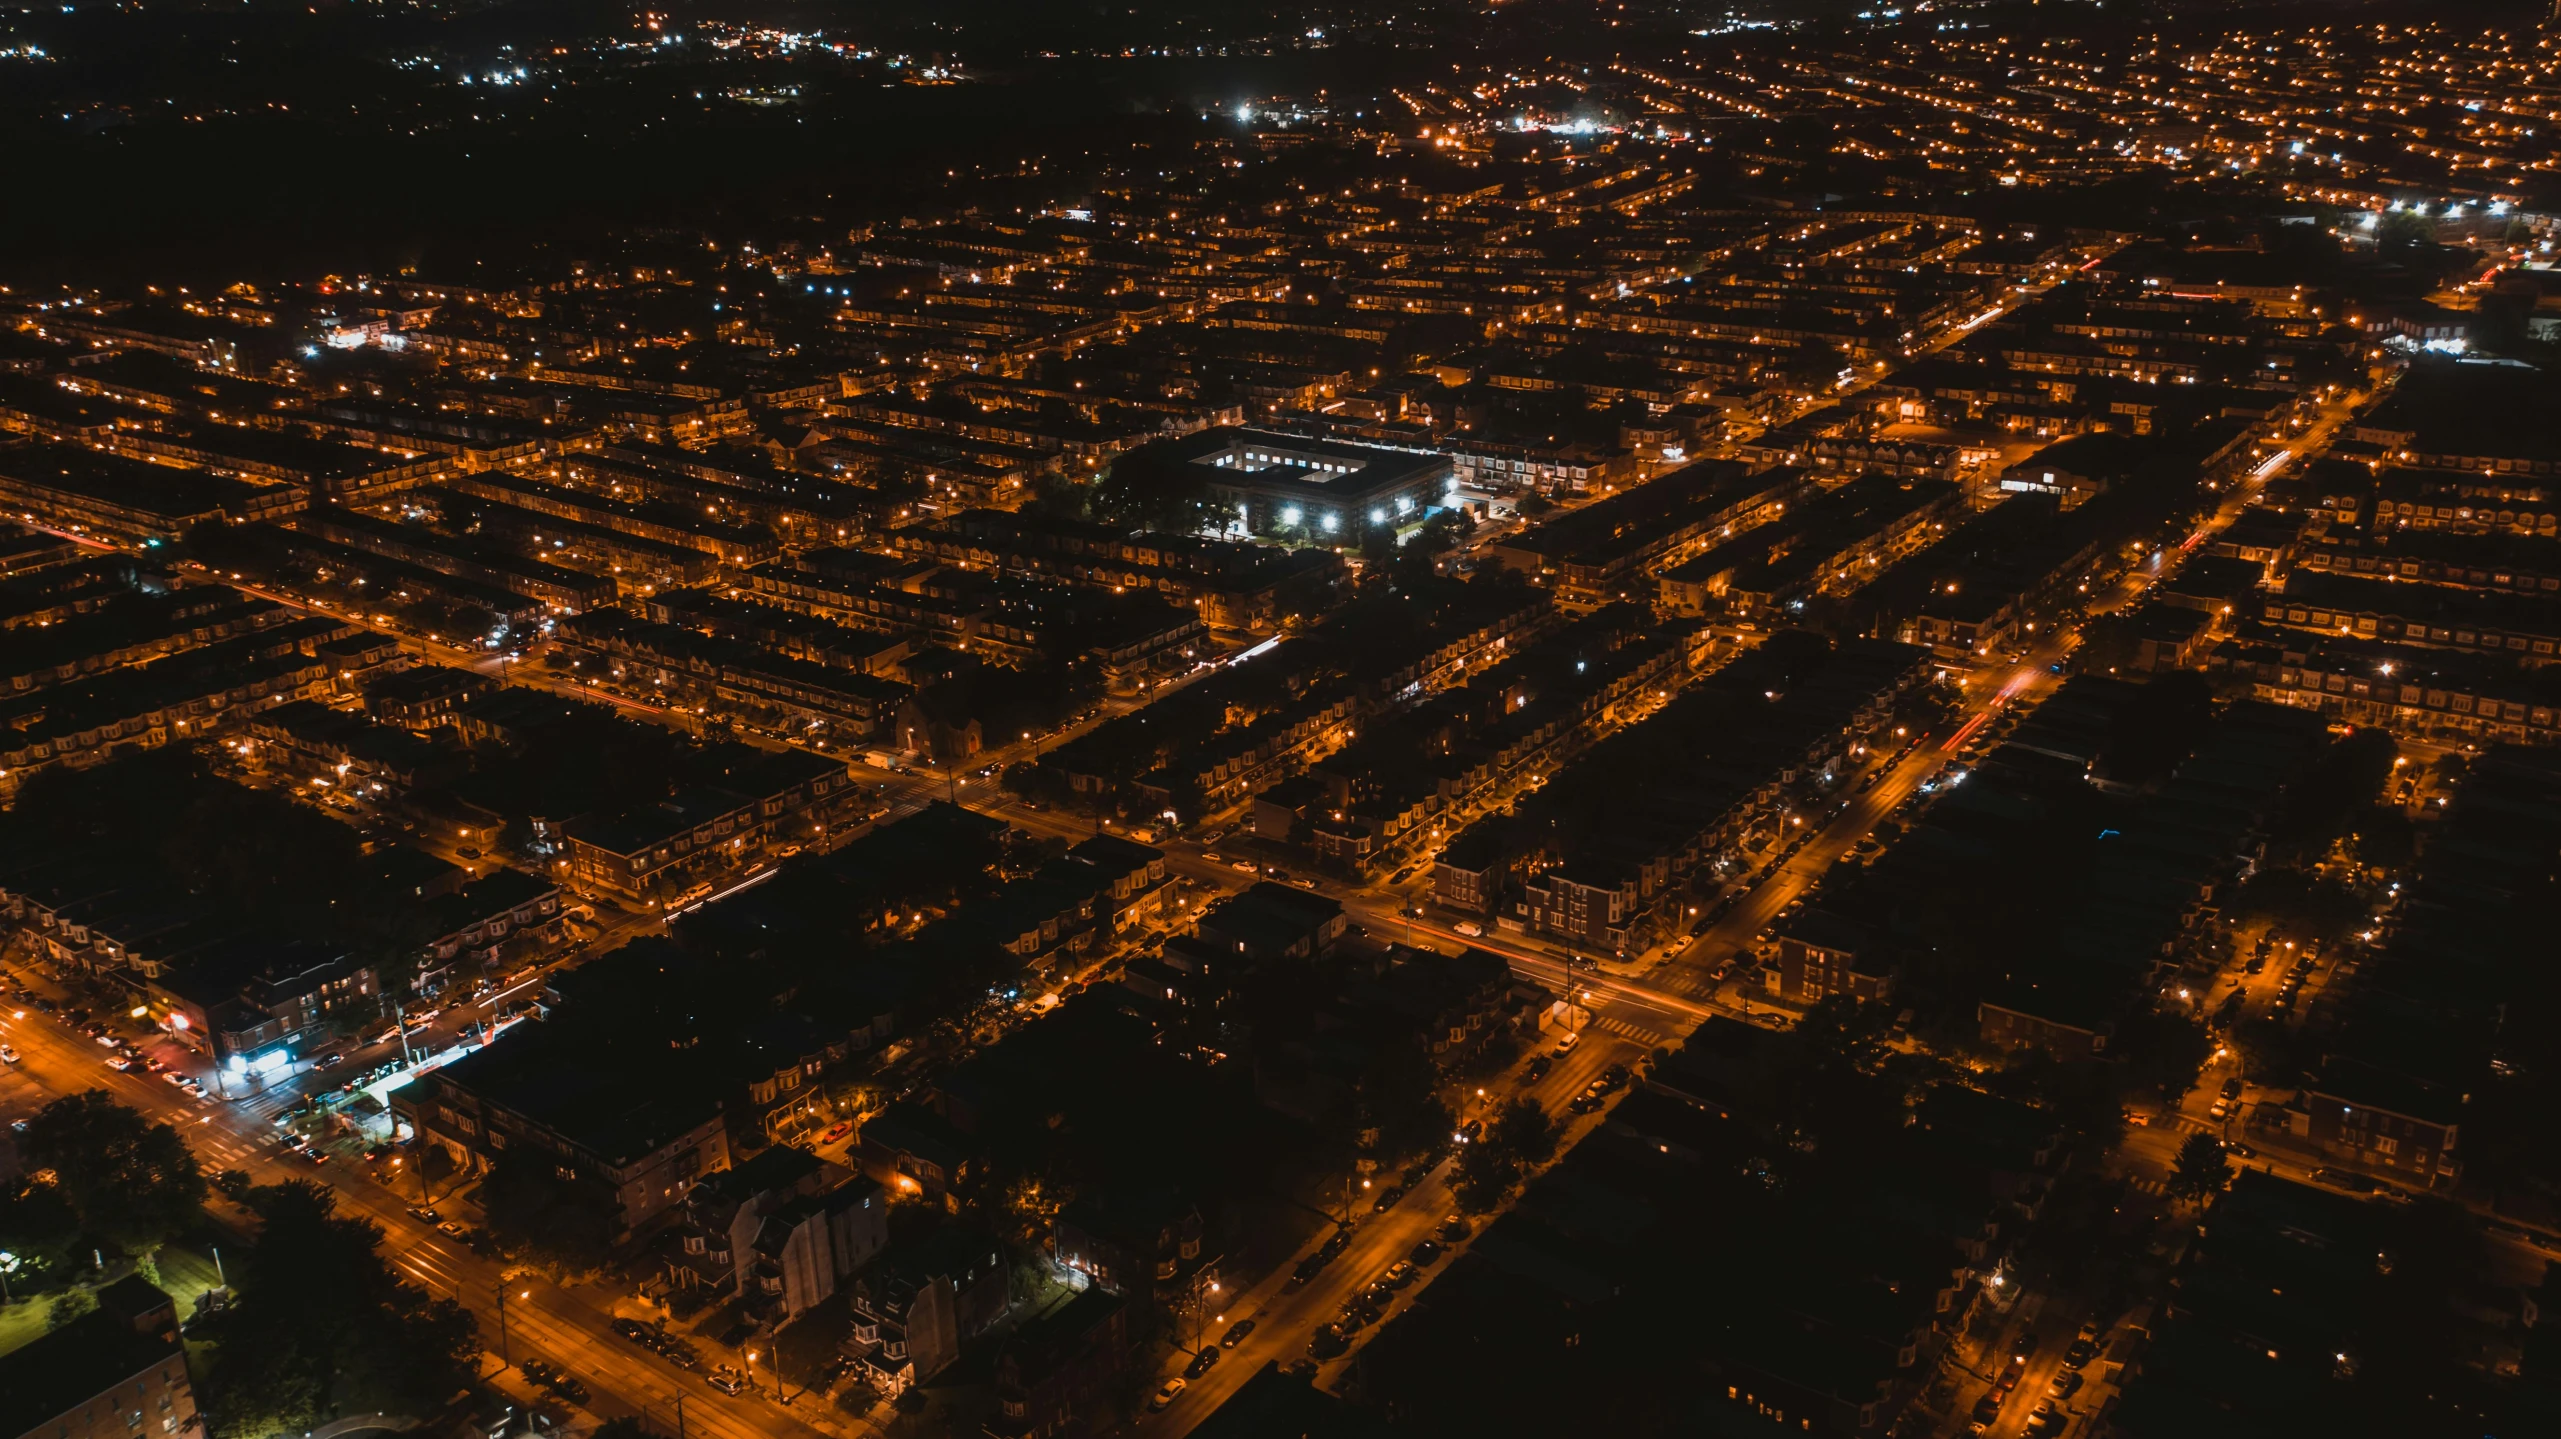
column 1632, row 1011
column 567, row 1326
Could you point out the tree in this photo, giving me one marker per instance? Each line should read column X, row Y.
column 2162, row 1051
column 131, row 1181
column 1417, row 559
column 1526, row 1132
column 2201, row 1167
column 323, row 1319
column 1483, row 1178
column 69, row 1306
column 38, row 1225
column 2326, row 801
column 1396, row 1099
column 2404, row 233
column 435, row 1165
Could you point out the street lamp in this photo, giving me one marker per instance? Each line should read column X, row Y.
column 503, row 1354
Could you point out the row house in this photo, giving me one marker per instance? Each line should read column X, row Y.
column 179, row 698
column 777, row 1234
column 626, row 1120
column 914, row 1308
column 645, row 853
column 2374, row 1117
column 481, row 922
column 2525, row 627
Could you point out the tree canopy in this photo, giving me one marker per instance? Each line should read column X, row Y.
column 324, row 1323
column 131, row 1182
column 2201, row 1167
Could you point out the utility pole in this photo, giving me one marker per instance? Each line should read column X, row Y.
column 774, row 1342
column 503, row 1354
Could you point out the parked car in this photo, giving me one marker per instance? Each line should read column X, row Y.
column 2066, row 1384
column 1425, row 1253
column 452, row 1229
column 1387, row 1199
column 425, row 1214
column 1236, row 1333
column 1203, row 1361
column 1171, row 1390
column 1538, row 1066
column 8, row 1055
column 1399, row 1274
column 2080, row 1353
column 725, row 1381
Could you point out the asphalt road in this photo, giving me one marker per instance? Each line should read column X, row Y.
column 1630, row 1013
column 1286, row 1317
column 567, row 1326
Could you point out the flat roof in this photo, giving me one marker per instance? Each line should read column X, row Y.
column 1311, row 468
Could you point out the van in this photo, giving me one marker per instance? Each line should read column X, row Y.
column 1470, row 928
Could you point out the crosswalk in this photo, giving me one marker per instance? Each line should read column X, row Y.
column 1691, row 983
column 1624, row 1030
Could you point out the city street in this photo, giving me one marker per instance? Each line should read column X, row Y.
column 567, row 1326
column 1625, row 1010
column 1285, row 1318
